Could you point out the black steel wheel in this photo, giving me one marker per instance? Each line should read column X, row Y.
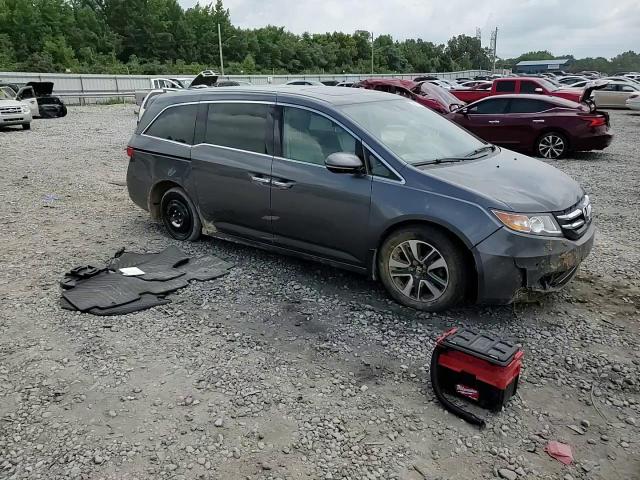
column 180, row 216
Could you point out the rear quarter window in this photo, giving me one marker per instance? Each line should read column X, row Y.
column 176, row 123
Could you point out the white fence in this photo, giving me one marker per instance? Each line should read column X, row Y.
column 113, row 86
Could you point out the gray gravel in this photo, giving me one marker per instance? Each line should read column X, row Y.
column 285, row 369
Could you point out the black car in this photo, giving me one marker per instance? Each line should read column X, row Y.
column 49, row 105
column 363, row 180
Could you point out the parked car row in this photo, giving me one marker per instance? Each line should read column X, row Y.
column 36, row 96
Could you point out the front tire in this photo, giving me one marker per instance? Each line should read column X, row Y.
column 422, row 268
column 552, row 145
column 26, row 126
column 180, row 216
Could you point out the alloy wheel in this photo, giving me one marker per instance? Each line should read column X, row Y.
column 551, row 146
column 418, row 270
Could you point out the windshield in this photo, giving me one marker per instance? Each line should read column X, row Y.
column 412, row 132
column 7, row 93
column 439, row 93
column 546, row 84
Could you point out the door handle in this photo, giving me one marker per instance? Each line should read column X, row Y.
column 538, row 121
column 494, row 121
column 261, row 180
column 281, row 184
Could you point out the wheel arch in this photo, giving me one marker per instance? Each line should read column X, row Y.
column 455, row 236
column 155, row 196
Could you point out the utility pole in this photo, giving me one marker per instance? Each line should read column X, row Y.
column 494, row 43
column 369, row 35
column 220, row 48
column 371, row 53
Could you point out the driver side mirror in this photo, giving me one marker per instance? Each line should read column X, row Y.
column 539, row 90
column 343, row 162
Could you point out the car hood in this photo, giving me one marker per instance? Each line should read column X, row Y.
column 41, row 89
column 11, row 103
column 521, row 183
column 206, row 78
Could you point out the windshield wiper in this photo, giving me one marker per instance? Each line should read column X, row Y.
column 436, row 161
column 482, row 149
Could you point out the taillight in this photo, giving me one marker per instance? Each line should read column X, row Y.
column 596, row 121
column 634, row 95
column 130, row 152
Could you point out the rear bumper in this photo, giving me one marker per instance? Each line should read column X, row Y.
column 595, row 142
column 509, row 263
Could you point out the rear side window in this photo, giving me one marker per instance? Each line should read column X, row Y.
column 528, row 87
column 490, row 106
column 522, row 105
column 239, row 125
column 175, row 123
column 506, row 86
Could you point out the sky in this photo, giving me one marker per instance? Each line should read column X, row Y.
column 584, row 28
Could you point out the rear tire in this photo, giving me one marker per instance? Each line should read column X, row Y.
column 26, row 126
column 552, row 145
column 180, row 216
column 421, row 267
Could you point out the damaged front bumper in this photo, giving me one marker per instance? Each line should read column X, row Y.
column 510, row 264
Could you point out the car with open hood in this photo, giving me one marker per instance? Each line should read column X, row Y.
column 204, row 79
column 22, row 94
column 49, row 105
column 362, row 180
column 423, row 92
column 549, row 127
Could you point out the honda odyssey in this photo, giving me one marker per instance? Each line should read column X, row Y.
column 362, row 180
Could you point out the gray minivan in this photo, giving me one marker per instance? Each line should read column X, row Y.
column 362, row 180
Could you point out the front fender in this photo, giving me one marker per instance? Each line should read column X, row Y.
column 393, row 204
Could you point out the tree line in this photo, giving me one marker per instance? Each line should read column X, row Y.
column 159, row 36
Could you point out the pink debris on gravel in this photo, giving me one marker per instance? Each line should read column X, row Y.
column 559, row 451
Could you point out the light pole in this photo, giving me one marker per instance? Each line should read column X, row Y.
column 371, row 53
column 369, row 34
column 220, row 48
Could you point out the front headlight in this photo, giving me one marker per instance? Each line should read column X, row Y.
column 535, row 224
column 25, row 109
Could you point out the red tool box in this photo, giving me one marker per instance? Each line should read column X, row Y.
column 478, row 367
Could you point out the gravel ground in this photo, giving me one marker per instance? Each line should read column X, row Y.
column 286, row 369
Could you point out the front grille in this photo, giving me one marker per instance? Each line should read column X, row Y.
column 10, row 110
column 574, row 221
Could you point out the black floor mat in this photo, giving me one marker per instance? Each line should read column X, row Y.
column 145, row 301
column 156, row 266
column 108, row 292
